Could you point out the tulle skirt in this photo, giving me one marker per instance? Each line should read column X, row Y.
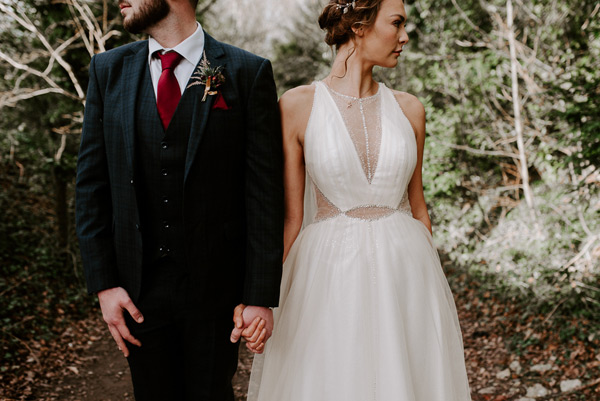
column 365, row 314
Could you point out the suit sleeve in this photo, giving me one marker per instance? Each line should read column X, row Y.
column 264, row 192
column 93, row 211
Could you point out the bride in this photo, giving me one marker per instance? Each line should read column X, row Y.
column 365, row 309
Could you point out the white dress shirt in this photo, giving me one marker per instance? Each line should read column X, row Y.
column 191, row 49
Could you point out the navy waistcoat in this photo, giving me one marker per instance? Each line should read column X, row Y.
column 160, row 166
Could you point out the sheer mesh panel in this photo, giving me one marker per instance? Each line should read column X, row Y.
column 325, row 209
column 370, row 212
column 362, row 117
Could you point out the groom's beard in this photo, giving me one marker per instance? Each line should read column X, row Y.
column 150, row 13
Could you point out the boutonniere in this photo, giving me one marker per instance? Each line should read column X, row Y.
column 207, row 75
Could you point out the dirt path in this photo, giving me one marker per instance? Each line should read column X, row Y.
column 99, row 372
column 103, row 376
column 510, row 355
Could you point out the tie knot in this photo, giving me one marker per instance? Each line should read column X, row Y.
column 169, row 59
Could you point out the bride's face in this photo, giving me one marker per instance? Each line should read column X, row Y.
column 382, row 42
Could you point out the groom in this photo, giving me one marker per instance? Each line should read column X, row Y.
column 180, row 199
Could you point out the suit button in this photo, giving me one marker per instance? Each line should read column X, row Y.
column 166, row 224
column 164, row 145
column 137, row 227
column 131, row 182
column 165, row 199
column 164, row 172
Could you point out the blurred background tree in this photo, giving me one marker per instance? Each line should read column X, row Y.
column 511, row 90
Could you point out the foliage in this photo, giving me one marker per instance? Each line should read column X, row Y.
column 458, row 63
column 41, row 288
column 459, row 66
column 301, row 58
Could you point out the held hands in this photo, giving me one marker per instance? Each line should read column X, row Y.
column 255, row 324
column 112, row 303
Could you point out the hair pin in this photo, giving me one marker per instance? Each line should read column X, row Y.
column 346, row 6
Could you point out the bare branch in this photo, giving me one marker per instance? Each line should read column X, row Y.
column 13, row 100
column 473, row 150
column 467, row 19
column 26, row 23
column 26, row 68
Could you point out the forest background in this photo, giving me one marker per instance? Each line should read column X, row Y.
column 512, row 159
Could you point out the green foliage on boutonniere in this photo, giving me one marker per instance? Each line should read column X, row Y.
column 207, row 75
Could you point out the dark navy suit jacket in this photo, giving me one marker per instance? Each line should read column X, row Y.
column 233, row 185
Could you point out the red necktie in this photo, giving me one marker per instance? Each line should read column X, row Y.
column 168, row 92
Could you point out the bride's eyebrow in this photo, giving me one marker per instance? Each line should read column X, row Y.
column 401, row 17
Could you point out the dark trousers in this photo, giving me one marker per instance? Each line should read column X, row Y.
column 186, row 353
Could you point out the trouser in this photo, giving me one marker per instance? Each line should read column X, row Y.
column 186, row 353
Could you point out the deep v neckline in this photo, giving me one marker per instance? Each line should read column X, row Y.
column 348, row 136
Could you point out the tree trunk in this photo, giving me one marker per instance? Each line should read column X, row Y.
column 61, row 206
column 517, row 110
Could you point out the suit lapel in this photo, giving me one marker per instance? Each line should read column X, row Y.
column 133, row 67
column 201, row 110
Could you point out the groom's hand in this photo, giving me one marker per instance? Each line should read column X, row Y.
column 112, row 302
column 255, row 324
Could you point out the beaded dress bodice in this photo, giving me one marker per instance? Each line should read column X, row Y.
column 360, row 154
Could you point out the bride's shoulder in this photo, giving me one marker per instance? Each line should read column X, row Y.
column 298, row 98
column 412, row 108
column 410, row 104
column 296, row 106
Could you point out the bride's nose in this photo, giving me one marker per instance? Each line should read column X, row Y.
column 403, row 39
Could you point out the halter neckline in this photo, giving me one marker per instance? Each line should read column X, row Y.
column 354, row 98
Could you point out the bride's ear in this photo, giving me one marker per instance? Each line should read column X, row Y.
column 358, row 30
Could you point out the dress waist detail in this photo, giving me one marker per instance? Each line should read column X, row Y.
column 362, row 212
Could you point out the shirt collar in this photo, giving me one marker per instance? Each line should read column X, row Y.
column 191, row 48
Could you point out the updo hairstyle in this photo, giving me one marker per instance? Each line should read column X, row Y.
column 339, row 17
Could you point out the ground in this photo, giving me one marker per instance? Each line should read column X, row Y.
column 97, row 371
column 510, row 354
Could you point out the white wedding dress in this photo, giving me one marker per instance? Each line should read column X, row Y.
column 365, row 312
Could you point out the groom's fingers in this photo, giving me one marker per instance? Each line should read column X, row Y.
column 126, row 335
column 238, row 332
column 133, row 311
column 238, row 321
column 119, row 340
column 235, row 335
column 238, row 318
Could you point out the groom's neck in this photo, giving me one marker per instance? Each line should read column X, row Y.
column 177, row 26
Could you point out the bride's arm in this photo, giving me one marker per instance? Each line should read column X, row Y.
column 415, row 112
column 295, row 106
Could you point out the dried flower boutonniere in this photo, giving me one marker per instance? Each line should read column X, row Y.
column 210, row 77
